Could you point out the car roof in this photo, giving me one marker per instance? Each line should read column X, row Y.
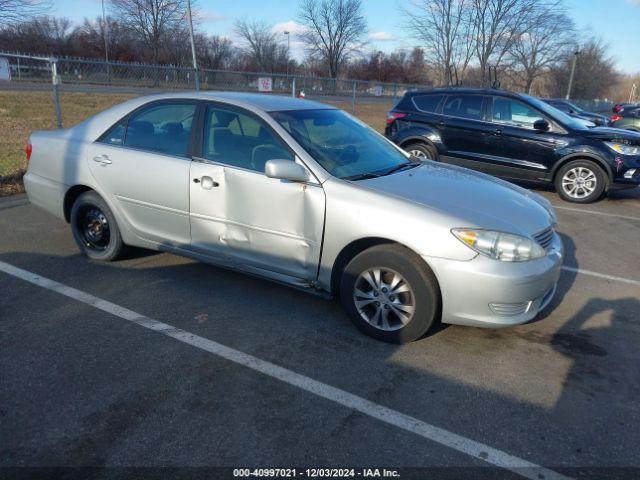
column 263, row 101
column 470, row 90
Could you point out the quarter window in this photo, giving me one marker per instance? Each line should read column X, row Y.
column 464, row 106
column 115, row 135
column 427, row 103
column 236, row 139
column 163, row 128
column 513, row 112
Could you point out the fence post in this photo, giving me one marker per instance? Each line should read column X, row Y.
column 19, row 73
column 293, row 87
column 353, row 99
column 55, row 79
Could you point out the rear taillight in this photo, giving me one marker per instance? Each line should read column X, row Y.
column 615, row 118
column 393, row 116
column 617, row 108
column 28, row 151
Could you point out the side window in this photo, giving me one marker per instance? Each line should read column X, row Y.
column 115, row 135
column 513, row 112
column 465, row 106
column 163, row 128
column 427, row 103
column 240, row 140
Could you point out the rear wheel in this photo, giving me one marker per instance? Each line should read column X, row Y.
column 95, row 229
column 390, row 293
column 422, row 151
column 580, row 181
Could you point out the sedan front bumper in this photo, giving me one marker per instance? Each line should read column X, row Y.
column 488, row 293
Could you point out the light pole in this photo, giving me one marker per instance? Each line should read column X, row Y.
column 287, row 33
column 573, row 71
column 193, row 46
column 105, row 28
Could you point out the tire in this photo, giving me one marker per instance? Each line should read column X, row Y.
column 423, row 294
column 95, row 229
column 590, row 189
column 422, row 150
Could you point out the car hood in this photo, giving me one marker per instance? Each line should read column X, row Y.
column 473, row 199
column 606, row 133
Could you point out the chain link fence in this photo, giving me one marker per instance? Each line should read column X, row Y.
column 368, row 99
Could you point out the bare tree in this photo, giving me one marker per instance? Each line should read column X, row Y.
column 12, row 11
column 262, row 47
column 595, row 74
column 216, row 52
column 495, row 26
column 333, row 28
column 547, row 35
column 153, row 21
column 443, row 27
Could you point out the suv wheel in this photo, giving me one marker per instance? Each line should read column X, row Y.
column 390, row 293
column 580, row 181
column 95, row 229
column 422, row 151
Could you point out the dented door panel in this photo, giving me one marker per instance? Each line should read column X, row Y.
column 256, row 221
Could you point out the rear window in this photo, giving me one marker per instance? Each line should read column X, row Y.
column 465, row 106
column 427, row 103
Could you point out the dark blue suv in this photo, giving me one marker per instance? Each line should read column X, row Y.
column 517, row 137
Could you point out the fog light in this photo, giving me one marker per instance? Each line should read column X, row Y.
column 630, row 173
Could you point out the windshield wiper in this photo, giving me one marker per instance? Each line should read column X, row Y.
column 361, row 176
column 402, row 166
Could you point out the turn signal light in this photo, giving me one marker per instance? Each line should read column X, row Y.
column 28, row 150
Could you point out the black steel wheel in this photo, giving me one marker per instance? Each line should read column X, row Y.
column 95, row 229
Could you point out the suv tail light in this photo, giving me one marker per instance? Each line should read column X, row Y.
column 617, row 108
column 615, row 118
column 393, row 116
column 28, row 151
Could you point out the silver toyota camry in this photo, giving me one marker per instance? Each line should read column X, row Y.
column 304, row 194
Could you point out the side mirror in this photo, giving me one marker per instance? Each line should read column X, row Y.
column 541, row 125
column 286, row 170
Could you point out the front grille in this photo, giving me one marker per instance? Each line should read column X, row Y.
column 545, row 237
column 510, row 309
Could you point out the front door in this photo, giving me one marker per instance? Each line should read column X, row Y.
column 142, row 165
column 238, row 212
column 521, row 152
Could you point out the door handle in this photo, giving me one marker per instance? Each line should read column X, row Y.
column 103, row 159
column 206, row 182
column 497, row 132
column 441, row 124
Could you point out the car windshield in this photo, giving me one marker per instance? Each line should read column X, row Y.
column 556, row 114
column 344, row 146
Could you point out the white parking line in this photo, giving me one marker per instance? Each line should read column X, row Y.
column 579, row 210
column 457, row 442
column 612, row 278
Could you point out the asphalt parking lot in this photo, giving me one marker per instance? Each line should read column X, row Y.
column 84, row 383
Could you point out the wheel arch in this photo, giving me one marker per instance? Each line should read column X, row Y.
column 582, row 156
column 356, row 247
column 70, row 197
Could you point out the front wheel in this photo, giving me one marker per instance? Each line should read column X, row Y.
column 95, row 229
column 422, row 151
column 390, row 293
column 580, row 181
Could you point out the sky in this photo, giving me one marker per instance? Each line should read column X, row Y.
column 617, row 22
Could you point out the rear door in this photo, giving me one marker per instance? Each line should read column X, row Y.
column 143, row 163
column 463, row 130
column 238, row 212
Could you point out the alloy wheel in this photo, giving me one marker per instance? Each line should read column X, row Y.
column 384, row 299
column 420, row 154
column 579, row 182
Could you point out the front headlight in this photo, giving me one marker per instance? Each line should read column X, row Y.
column 505, row 247
column 623, row 149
